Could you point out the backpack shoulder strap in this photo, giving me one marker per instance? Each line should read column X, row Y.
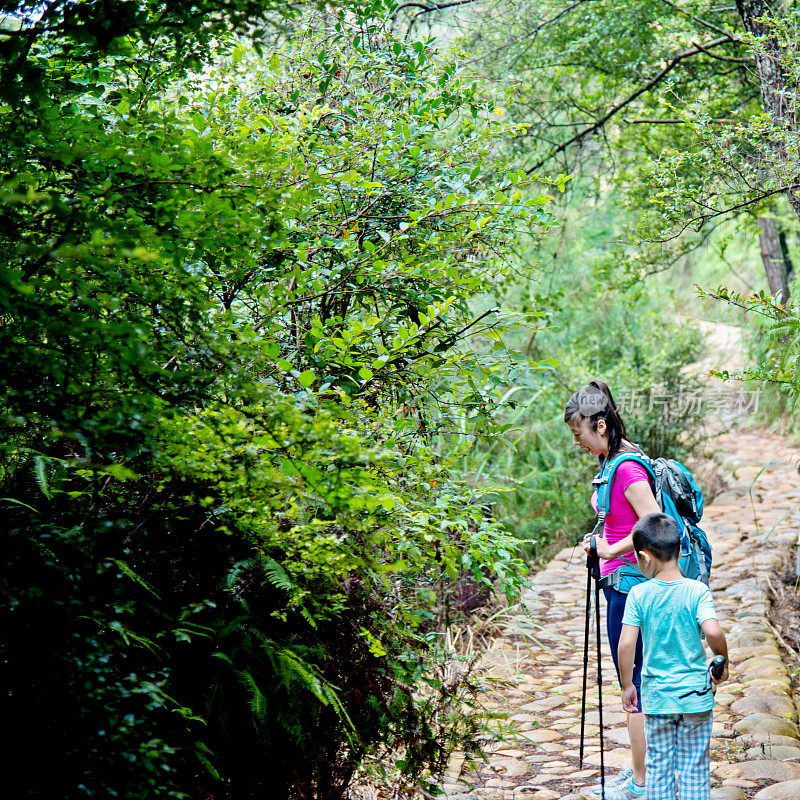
column 602, row 482
column 605, row 477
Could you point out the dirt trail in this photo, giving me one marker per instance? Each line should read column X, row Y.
column 534, row 671
column 724, row 348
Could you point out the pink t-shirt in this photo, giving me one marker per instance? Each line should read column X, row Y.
column 621, row 517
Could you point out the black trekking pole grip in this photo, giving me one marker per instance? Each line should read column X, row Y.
column 592, row 559
column 717, row 666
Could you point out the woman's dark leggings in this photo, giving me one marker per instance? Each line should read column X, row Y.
column 616, row 606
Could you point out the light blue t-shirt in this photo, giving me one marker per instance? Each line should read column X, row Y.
column 669, row 615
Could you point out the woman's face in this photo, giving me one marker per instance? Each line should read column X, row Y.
column 594, row 442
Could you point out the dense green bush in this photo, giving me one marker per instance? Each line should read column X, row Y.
column 234, row 310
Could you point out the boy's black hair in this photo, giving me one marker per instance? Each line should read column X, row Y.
column 658, row 534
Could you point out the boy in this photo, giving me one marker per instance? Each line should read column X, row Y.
column 677, row 697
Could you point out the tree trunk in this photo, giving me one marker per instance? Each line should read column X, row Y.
column 776, row 93
column 787, row 261
column 775, row 257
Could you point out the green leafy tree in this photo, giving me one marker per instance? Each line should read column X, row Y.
column 684, row 106
column 682, row 112
column 236, row 326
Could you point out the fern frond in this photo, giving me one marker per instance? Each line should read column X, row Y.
column 277, row 575
column 200, row 752
column 236, row 570
column 293, row 666
column 333, row 699
column 126, row 570
column 321, row 688
column 18, row 503
column 789, row 353
column 127, row 635
column 306, row 614
column 41, row 475
column 258, row 702
column 783, row 326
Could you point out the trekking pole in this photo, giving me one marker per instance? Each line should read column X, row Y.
column 586, row 650
column 594, row 571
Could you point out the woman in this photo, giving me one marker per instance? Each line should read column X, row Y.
column 596, row 426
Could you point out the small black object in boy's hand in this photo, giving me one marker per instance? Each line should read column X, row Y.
column 717, row 666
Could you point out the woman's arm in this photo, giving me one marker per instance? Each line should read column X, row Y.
column 640, row 496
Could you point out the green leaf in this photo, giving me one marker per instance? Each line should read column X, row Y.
column 288, row 468
column 306, row 378
column 19, row 503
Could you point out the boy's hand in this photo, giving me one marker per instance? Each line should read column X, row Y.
column 629, row 699
column 723, row 677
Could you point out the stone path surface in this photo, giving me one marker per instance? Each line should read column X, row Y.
column 533, row 673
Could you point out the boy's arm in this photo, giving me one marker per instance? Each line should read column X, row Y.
column 716, row 641
column 625, row 655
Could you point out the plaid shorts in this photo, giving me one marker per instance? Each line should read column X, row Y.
column 677, row 748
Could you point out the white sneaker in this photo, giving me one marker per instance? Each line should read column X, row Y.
column 624, row 791
column 620, row 779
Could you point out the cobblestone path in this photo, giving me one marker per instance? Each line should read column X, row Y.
column 534, row 671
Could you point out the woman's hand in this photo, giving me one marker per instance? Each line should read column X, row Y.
column 640, row 496
column 604, row 550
